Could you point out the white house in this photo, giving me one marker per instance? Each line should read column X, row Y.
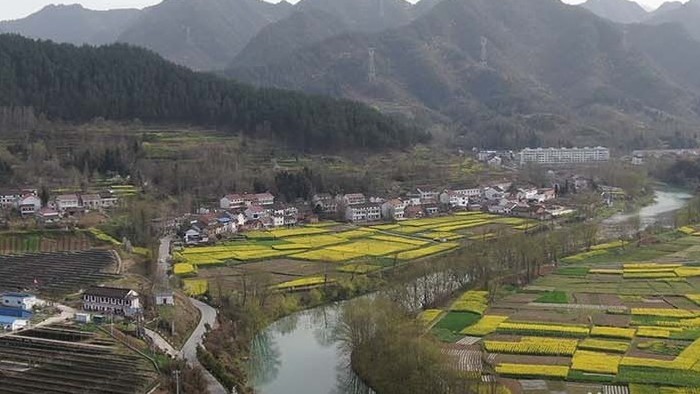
column 194, row 237
column 67, row 201
column 493, row 193
column 48, row 215
column 255, row 212
column 91, row 201
column 473, row 192
column 10, row 323
column 363, row 212
column 111, row 300
column 454, row 199
column 164, row 298
column 231, row 201
column 495, row 162
column 263, row 199
column 22, row 301
column 325, row 203
column 527, row 194
column 29, row 205
column 354, row 199
column 545, row 195
column 393, row 209
column 427, row 195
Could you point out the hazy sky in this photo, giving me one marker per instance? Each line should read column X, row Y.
column 13, row 9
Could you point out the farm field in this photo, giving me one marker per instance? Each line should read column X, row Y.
column 600, row 320
column 60, row 359
column 56, row 274
column 351, row 250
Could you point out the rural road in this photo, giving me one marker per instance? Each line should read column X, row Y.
column 161, row 343
column 208, row 316
column 189, row 351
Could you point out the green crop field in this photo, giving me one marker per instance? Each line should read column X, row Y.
column 627, row 317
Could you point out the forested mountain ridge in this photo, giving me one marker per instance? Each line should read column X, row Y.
column 73, row 24
column 553, row 74
column 120, row 82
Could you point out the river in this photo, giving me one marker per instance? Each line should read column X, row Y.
column 299, row 353
column 661, row 211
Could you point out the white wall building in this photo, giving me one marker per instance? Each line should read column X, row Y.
column 564, row 155
column 363, row 212
column 111, row 300
column 22, row 301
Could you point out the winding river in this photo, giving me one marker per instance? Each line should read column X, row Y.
column 299, row 353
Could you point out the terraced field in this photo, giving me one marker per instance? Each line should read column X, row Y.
column 371, row 248
column 56, row 274
column 611, row 321
column 65, row 360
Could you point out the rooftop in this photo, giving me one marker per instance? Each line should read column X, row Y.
column 110, row 292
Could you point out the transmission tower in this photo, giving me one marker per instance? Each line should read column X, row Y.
column 372, row 67
column 484, row 51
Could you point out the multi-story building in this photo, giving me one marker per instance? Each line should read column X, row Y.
column 393, row 209
column 111, row 300
column 363, row 212
column 67, row 201
column 354, row 199
column 564, row 155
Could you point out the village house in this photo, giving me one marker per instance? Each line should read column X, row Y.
column 47, row 215
column 255, row 212
column 325, row 203
column 529, row 211
column 112, row 300
column 164, row 297
column 493, row 193
column 91, row 201
column 231, row 201
column 354, row 199
column 414, row 212
column 526, row 194
column 427, row 195
column 545, row 195
column 29, row 205
column 363, row 212
column 195, row 236
column 431, row 209
column 22, row 301
column 108, row 200
column 393, row 209
column 10, row 198
column 66, row 202
column 262, row 199
column 471, row 192
column 495, row 162
column 454, row 199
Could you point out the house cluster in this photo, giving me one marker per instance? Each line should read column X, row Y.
column 241, row 212
column 495, row 158
column 28, row 203
column 16, row 310
column 496, row 199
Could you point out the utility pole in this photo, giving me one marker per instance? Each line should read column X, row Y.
column 484, row 53
column 177, row 381
column 372, row 67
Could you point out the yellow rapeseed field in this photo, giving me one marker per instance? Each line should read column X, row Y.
column 605, row 345
column 595, row 362
column 327, row 255
column 183, row 269
column 427, row 251
column 485, row 326
column 535, row 346
column 195, row 287
column 471, row 301
column 613, row 332
column 303, row 282
column 544, row 329
column 429, row 315
column 529, row 370
column 372, row 247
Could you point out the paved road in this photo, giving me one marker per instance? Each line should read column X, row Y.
column 161, row 343
column 189, row 351
column 163, row 258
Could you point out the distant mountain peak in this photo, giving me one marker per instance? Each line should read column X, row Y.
column 621, row 11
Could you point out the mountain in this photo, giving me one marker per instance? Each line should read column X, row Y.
column 687, row 15
column 72, row 24
column 554, row 74
column 204, row 34
column 364, row 15
column 316, row 20
column 276, row 41
column 665, row 7
column 121, row 82
column 621, row 11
